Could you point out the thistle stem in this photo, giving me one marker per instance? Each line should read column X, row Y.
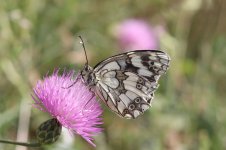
column 21, row 143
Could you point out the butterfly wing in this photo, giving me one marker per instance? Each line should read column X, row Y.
column 126, row 82
column 150, row 64
column 126, row 93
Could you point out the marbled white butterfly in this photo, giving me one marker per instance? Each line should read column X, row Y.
column 127, row 82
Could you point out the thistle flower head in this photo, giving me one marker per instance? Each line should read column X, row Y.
column 135, row 34
column 74, row 107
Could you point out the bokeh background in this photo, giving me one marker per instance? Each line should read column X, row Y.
column 188, row 112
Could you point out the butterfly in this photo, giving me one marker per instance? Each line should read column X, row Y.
column 126, row 82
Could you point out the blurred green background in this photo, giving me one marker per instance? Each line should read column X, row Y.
column 188, row 111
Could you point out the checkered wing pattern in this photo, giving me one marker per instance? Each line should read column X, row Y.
column 127, row 82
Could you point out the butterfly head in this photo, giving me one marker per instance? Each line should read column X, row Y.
column 87, row 75
column 87, row 71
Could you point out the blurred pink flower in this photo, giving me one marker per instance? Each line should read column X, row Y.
column 76, row 108
column 136, row 35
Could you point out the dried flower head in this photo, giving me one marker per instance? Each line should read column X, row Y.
column 136, row 34
column 74, row 107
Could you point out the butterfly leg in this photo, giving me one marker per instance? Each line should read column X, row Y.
column 76, row 79
column 87, row 103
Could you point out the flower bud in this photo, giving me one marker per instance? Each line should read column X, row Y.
column 49, row 131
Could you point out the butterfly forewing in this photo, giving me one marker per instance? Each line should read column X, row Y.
column 148, row 63
column 126, row 82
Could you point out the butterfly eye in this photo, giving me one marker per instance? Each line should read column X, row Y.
column 87, row 68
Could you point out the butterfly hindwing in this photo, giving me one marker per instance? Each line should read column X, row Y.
column 129, row 96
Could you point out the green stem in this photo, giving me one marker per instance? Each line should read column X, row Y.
column 21, row 143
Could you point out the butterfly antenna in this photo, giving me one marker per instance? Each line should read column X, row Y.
column 84, row 48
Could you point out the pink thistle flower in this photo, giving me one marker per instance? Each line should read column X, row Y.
column 76, row 107
column 136, row 34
